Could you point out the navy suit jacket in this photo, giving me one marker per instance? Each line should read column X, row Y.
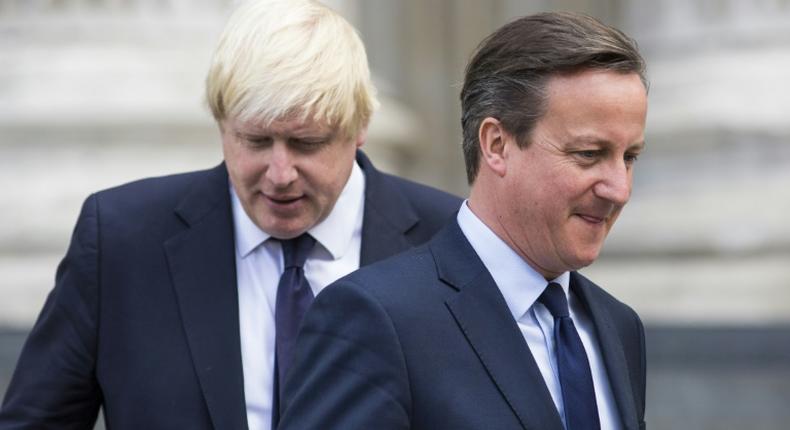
column 143, row 319
column 425, row 341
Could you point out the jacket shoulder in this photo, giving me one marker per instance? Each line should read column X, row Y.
column 150, row 205
column 396, row 282
column 150, row 191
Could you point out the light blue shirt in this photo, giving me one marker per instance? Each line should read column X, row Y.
column 521, row 285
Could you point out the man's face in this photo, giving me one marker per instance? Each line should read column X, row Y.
column 288, row 175
column 562, row 193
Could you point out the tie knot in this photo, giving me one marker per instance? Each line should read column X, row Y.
column 554, row 299
column 295, row 250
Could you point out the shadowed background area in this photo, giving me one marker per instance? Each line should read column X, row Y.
column 94, row 93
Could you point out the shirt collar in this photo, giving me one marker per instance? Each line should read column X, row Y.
column 334, row 233
column 520, row 284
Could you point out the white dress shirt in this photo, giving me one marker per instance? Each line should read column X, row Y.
column 259, row 264
column 521, row 286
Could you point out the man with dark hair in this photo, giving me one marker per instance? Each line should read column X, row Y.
column 489, row 325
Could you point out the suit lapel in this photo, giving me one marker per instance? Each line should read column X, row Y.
column 611, row 349
column 203, row 269
column 483, row 316
column 388, row 215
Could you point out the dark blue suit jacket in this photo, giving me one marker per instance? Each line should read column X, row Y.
column 143, row 319
column 425, row 341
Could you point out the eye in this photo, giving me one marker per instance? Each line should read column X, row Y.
column 588, row 156
column 307, row 145
column 630, row 159
column 257, row 142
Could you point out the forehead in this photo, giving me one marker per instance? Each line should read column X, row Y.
column 597, row 104
column 594, row 87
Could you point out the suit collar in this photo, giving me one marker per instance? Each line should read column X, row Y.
column 611, row 346
column 209, row 192
column 388, row 215
column 203, row 270
column 483, row 316
column 486, row 322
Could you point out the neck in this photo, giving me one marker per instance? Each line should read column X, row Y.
column 484, row 203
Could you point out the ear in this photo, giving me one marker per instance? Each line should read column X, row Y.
column 362, row 136
column 493, row 137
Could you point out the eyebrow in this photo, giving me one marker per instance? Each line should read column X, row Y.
column 641, row 145
column 245, row 135
column 592, row 140
column 308, row 136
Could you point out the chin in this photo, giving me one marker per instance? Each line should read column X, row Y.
column 586, row 259
column 284, row 232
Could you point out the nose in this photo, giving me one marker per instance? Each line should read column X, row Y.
column 281, row 170
column 615, row 185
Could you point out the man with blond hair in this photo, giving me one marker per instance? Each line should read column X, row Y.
column 178, row 301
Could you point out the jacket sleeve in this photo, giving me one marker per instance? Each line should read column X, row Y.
column 349, row 370
column 54, row 384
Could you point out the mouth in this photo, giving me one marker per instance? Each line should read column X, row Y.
column 592, row 219
column 283, row 201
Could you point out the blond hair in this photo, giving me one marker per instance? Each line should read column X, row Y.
column 285, row 59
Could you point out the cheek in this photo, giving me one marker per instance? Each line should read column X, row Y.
column 320, row 181
column 333, row 171
column 545, row 196
column 245, row 172
column 573, row 189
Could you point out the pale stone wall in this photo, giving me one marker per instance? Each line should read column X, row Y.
column 95, row 93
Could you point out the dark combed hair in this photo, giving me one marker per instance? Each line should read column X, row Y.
column 506, row 78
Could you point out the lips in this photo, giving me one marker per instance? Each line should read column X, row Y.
column 283, row 202
column 592, row 219
column 283, row 199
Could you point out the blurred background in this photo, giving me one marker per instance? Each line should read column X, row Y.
column 94, row 93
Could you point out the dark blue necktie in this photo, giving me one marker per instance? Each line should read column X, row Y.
column 578, row 394
column 294, row 296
